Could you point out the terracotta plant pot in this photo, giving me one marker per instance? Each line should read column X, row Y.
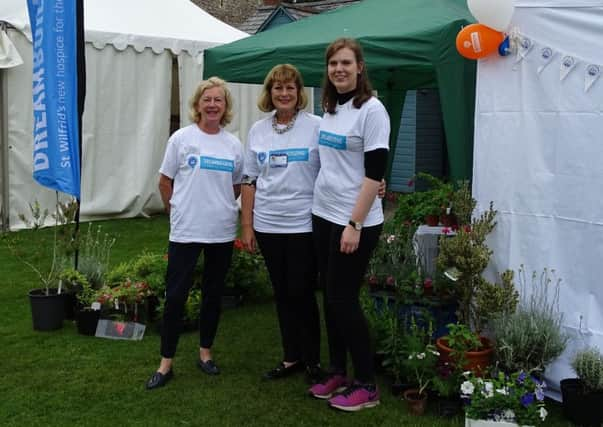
column 432, row 220
column 416, row 402
column 448, row 220
column 476, row 361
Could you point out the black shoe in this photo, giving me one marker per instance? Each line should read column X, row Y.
column 159, row 380
column 208, row 367
column 314, row 374
column 281, row 371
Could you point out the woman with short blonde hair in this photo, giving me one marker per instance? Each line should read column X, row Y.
column 199, row 182
column 212, row 82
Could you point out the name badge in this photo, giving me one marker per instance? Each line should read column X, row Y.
column 278, row 160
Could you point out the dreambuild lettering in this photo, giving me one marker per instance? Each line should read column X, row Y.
column 39, row 94
column 213, row 163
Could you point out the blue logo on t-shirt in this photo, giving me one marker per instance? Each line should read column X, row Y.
column 261, row 157
column 215, row 164
column 192, row 161
column 332, row 140
column 293, row 154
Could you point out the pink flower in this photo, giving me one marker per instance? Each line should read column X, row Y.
column 446, row 230
column 372, row 280
column 410, row 183
column 467, row 228
column 428, row 283
column 390, row 281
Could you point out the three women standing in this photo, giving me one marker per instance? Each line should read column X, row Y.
column 347, row 219
column 281, row 165
column 199, row 182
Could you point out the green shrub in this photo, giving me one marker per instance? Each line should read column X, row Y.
column 588, row 365
column 531, row 337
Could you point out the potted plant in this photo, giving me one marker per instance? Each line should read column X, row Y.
column 149, row 268
column 72, row 282
column 583, row 396
column 530, row 337
column 464, row 348
column 47, row 302
column 421, row 364
column 503, row 400
column 88, row 313
column 393, row 347
column 445, row 384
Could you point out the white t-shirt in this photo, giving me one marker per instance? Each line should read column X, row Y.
column 343, row 139
column 204, row 168
column 286, row 166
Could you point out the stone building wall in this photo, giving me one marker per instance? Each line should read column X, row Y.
column 233, row 12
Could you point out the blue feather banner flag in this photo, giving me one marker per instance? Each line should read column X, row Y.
column 56, row 150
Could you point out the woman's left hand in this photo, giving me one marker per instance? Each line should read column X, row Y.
column 350, row 239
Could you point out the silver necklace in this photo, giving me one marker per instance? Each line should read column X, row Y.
column 286, row 128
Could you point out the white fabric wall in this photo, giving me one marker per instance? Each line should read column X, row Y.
column 126, row 126
column 539, row 156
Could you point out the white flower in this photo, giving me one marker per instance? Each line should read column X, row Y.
column 543, row 413
column 435, row 353
column 467, row 374
column 467, row 388
column 509, row 415
column 502, row 391
column 421, row 356
column 391, row 238
column 488, row 390
column 410, row 356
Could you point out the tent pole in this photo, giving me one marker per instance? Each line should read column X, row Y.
column 5, row 210
column 81, row 98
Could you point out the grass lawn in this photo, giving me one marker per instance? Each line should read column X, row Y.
column 62, row 378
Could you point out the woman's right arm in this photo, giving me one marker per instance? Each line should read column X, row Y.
column 247, row 203
column 166, row 189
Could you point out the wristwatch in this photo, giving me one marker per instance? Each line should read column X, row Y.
column 357, row 225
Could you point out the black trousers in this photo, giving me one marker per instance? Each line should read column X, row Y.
column 182, row 258
column 341, row 276
column 291, row 264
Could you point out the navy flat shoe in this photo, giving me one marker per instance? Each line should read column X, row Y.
column 209, row 367
column 159, row 380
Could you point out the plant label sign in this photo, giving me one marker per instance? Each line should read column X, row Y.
column 120, row 330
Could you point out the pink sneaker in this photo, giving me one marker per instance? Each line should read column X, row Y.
column 356, row 397
column 331, row 384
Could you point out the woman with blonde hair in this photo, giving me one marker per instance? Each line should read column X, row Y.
column 199, row 182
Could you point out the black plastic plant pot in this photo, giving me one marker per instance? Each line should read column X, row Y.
column 579, row 406
column 47, row 311
column 86, row 321
column 449, row 406
column 70, row 299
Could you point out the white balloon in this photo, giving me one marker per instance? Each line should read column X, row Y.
column 495, row 14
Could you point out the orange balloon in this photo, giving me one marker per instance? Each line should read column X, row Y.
column 477, row 40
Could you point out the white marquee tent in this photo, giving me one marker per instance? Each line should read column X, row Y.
column 132, row 50
column 539, row 157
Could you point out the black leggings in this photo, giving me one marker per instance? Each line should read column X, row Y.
column 341, row 276
column 182, row 258
column 291, row 264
